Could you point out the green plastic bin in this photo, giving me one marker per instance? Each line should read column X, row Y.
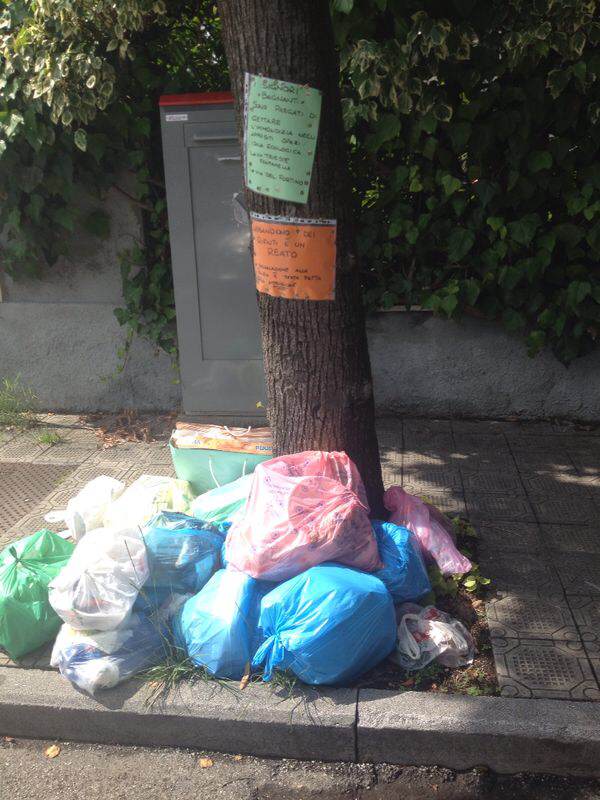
column 207, row 469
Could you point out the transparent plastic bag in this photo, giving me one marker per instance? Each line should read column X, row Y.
column 303, row 509
column 145, row 497
column 99, row 585
column 225, row 503
column 430, row 526
column 425, row 634
column 95, row 660
column 86, row 511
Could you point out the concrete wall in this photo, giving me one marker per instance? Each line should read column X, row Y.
column 425, row 365
column 61, row 336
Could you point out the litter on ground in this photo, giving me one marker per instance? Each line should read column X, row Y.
column 280, row 569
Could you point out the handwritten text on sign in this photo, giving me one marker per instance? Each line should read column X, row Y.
column 282, row 124
column 294, row 258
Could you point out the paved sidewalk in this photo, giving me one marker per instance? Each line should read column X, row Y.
column 531, row 490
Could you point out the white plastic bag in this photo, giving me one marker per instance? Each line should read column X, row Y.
column 99, row 585
column 147, row 495
column 85, row 512
column 428, row 633
column 93, row 660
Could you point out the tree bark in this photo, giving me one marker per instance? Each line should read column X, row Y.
column 318, row 374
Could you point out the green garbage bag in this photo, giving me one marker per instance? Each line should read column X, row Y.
column 224, row 503
column 27, row 620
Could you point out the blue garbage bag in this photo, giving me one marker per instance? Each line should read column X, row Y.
column 328, row 625
column 218, row 626
column 183, row 552
column 94, row 660
column 404, row 572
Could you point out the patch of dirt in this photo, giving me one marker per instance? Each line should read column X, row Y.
column 130, row 426
column 479, row 678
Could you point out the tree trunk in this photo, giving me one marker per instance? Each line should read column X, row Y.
column 318, row 374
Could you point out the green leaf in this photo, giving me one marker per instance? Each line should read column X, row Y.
column 523, row 230
column 535, row 341
column 80, row 138
column 513, row 320
column 343, row 6
column 387, row 127
column 495, row 223
column 97, row 223
column 449, row 303
column 460, row 242
column 539, row 159
column 64, row 217
column 450, row 184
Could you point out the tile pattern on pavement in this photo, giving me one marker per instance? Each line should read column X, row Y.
column 531, row 490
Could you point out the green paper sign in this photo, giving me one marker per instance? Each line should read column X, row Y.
column 282, row 125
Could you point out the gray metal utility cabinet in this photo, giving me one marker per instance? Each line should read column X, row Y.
column 215, row 295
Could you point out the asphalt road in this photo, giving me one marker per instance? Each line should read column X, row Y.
column 95, row 772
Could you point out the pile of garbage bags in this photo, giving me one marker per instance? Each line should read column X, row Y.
column 279, row 570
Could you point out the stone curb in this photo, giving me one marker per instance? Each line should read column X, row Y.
column 507, row 735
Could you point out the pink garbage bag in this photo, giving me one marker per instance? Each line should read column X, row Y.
column 431, row 528
column 303, row 509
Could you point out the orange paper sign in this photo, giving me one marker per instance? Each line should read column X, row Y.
column 294, row 258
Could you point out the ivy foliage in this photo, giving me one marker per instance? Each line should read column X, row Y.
column 79, row 89
column 475, row 132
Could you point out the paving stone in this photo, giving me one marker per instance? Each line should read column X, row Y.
column 22, row 486
column 526, row 574
column 391, row 478
column 544, row 668
column 531, row 461
column 60, row 419
column 470, row 463
column 572, row 538
column 579, row 572
column 128, row 454
column 586, row 612
column 558, row 485
column 59, row 454
column 39, row 659
column 426, row 459
column 480, row 426
column 473, row 443
column 499, row 507
column 423, row 481
column 564, row 509
column 498, row 482
column 134, row 473
column 24, row 447
column 451, row 503
column 84, row 473
column 517, row 617
column 499, row 537
column 431, row 441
